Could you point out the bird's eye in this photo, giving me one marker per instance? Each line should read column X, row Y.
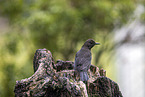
column 91, row 43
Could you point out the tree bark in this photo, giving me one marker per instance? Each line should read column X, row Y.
column 59, row 80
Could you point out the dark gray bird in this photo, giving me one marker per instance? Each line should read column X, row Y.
column 83, row 59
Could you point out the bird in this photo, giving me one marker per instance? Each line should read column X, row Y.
column 83, row 59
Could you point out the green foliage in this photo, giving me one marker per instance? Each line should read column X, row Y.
column 61, row 26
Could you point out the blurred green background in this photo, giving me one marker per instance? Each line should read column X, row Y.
column 61, row 26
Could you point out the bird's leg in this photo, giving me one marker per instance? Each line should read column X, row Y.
column 86, row 83
column 76, row 76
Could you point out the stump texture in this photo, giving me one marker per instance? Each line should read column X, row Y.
column 58, row 79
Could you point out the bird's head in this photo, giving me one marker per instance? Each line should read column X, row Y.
column 90, row 43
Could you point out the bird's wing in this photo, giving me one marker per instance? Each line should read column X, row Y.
column 83, row 60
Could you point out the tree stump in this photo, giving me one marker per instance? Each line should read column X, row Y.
column 59, row 80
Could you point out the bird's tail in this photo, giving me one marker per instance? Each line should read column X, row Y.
column 84, row 76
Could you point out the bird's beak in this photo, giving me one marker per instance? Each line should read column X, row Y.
column 97, row 43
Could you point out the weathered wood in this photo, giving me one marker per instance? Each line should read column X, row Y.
column 59, row 80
